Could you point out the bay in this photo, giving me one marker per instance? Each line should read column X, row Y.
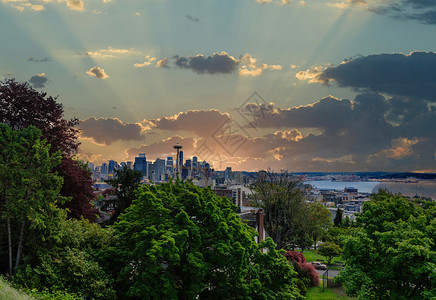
column 423, row 188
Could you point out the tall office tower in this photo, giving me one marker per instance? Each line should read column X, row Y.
column 141, row 164
column 91, row 167
column 169, row 165
column 111, row 167
column 188, row 164
column 159, row 168
column 103, row 169
column 181, row 158
column 130, row 165
column 122, row 164
column 150, row 170
column 228, row 173
column 194, row 162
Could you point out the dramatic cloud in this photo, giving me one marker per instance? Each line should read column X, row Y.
column 32, row 59
column 223, row 63
column 163, row 63
column 110, row 53
column 200, row 122
column 218, row 63
column 395, row 74
column 97, row 72
column 147, row 62
column 107, row 131
column 191, row 18
column 368, row 133
column 38, row 80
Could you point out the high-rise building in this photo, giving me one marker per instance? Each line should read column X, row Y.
column 228, row 173
column 104, row 169
column 141, row 164
column 159, row 168
column 181, row 158
column 194, row 162
column 188, row 164
column 130, row 165
column 169, row 165
column 111, row 167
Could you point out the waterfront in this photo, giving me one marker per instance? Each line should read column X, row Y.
column 425, row 188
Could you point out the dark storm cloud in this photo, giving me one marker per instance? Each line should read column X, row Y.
column 423, row 11
column 191, row 18
column 329, row 114
column 38, row 80
column 396, row 74
column 106, row 131
column 218, row 63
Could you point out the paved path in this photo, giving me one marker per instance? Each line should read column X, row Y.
column 332, row 273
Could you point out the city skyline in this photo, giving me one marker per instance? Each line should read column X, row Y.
column 340, row 85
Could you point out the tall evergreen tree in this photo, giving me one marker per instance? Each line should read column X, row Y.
column 338, row 218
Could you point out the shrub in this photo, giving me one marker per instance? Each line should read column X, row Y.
column 307, row 276
column 295, row 256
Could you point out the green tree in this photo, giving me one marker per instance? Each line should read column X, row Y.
column 338, row 218
column 393, row 254
column 72, row 263
column 329, row 250
column 30, row 190
column 178, row 241
column 124, row 184
column 282, row 198
column 319, row 221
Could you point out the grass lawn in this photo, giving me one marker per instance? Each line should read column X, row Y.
column 311, row 255
column 9, row 293
column 317, row 293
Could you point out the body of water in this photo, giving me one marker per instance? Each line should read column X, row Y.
column 425, row 188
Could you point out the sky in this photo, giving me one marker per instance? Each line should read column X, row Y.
column 315, row 85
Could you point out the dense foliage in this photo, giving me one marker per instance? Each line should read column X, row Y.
column 178, row 241
column 29, row 193
column 393, row 253
column 124, row 184
column 22, row 106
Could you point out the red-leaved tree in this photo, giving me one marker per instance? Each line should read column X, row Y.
column 306, row 272
column 22, row 106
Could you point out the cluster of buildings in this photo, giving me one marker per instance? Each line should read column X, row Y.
column 349, row 200
column 227, row 183
column 159, row 170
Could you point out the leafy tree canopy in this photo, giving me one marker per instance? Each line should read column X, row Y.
column 124, row 184
column 393, row 254
column 178, row 241
column 22, row 106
